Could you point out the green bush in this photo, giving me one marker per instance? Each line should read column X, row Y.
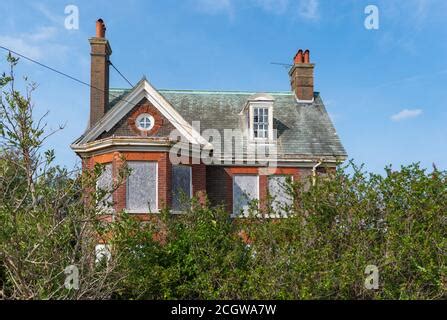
column 338, row 227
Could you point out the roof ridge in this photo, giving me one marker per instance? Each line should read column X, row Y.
column 194, row 91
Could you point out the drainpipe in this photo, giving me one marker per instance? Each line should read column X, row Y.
column 314, row 171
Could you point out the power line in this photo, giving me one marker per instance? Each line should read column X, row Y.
column 120, row 98
column 121, row 74
column 285, row 65
column 47, row 67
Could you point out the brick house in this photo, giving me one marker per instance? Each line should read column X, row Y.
column 217, row 136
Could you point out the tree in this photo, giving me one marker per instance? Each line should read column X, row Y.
column 46, row 225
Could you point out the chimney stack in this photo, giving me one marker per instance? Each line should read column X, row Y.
column 302, row 76
column 99, row 81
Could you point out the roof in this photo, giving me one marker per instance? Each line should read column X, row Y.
column 303, row 129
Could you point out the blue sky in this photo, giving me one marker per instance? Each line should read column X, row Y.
column 385, row 89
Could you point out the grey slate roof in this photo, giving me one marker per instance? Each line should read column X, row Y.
column 303, row 129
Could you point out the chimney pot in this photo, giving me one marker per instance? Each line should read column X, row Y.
column 307, row 56
column 298, row 57
column 100, row 29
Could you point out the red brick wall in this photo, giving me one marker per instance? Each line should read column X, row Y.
column 199, row 175
column 164, row 182
column 164, row 174
column 218, row 186
column 126, row 126
column 214, row 181
column 199, row 180
column 119, row 196
column 220, row 182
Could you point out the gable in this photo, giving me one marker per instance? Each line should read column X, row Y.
column 143, row 95
column 126, row 127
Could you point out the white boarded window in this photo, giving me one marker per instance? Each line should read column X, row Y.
column 104, row 185
column 142, row 187
column 245, row 190
column 281, row 198
column 181, row 187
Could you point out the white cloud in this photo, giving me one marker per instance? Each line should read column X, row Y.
column 50, row 15
column 36, row 45
column 406, row 114
column 308, row 9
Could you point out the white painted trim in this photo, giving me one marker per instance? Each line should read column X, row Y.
column 143, row 90
column 120, row 142
column 304, row 101
column 260, row 104
column 145, row 115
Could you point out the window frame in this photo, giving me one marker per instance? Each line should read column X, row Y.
column 133, row 211
column 140, row 117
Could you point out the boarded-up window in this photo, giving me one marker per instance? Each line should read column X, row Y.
column 281, row 198
column 104, row 187
column 142, row 187
column 181, row 187
column 245, row 190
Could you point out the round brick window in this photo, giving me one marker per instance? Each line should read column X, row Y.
column 145, row 122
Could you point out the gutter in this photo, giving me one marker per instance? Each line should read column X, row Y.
column 314, row 171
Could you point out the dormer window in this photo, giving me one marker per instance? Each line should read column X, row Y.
column 259, row 114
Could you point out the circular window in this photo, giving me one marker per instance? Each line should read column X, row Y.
column 145, row 122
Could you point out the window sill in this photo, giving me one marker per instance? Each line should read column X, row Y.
column 262, row 141
column 260, row 216
column 141, row 212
